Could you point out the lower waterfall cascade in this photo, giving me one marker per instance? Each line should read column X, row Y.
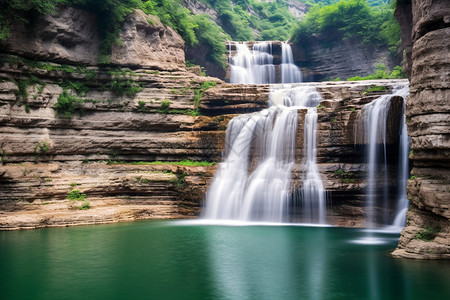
column 256, row 186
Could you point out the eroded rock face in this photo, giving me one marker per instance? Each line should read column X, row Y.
column 344, row 60
column 69, row 36
column 148, row 43
column 428, row 115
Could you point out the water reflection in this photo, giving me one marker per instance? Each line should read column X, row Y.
column 155, row 261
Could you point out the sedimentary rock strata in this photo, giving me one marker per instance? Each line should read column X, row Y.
column 78, row 126
column 427, row 234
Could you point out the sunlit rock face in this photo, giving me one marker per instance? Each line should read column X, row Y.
column 45, row 155
column 71, row 36
column 428, row 115
column 148, row 44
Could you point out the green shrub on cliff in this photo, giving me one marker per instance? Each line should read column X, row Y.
column 68, row 105
column 382, row 73
column 76, row 195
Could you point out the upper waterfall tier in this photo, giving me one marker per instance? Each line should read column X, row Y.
column 260, row 63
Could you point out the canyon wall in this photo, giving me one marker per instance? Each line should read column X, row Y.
column 426, row 36
column 343, row 59
column 117, row 132
column 68, row 124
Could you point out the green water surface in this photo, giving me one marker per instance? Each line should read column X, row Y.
column 171, row 260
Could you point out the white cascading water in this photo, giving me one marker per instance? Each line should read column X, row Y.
column 289, row 71
column 403, row 203
column 252, row 67
column 263, row 194
column 256, row 66
column 373, row 120
column 313, row 194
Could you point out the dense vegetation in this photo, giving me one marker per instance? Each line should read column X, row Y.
column 350, row 19
column 329, row 2
column 247, row 20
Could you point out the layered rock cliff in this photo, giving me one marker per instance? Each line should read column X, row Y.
column 426, row 36
column 343, row 59
column 69, row 125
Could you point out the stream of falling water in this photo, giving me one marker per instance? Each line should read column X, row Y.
column 256, row 66
column 289, row 71
column 253, row 183
column 373, row 120
column 252, row 67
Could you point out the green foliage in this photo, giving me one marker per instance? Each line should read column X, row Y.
column 41, row 147
column 122, row 83
column 180, row 180
column 247, row 20
column 76, row 195
column 347, row 177
column 165, row 105
column 375, row 88
column 186, row 162
column 382, row 73
column 198, row 93
column 68, row 105
column 350, row 19
column 141, row 106
column 3, row 156
column 328, row 2
column 78, row 87
column 22, row 92
column 427, row 234
column 213, row 37
column 165, row 108
column 86, row 205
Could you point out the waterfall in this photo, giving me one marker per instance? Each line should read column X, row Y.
column 262, row 194
column 256, row 185
column 256, row 66
column 373, row 120
column 252, row 67
column 289, row 71
column 312, row 195
column 402, row 202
